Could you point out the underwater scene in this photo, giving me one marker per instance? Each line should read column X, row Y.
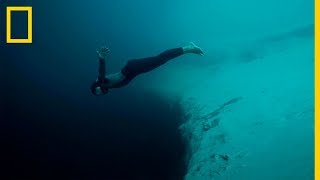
column 157, row 90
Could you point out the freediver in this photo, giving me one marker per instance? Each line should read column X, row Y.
column 134, row 67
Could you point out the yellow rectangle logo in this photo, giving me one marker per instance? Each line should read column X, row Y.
column 9, row 12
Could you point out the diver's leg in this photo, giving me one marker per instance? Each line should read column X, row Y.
column 139, row 66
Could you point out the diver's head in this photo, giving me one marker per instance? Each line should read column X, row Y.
column 97, row 90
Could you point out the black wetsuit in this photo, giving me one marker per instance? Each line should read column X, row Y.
column 135, row 67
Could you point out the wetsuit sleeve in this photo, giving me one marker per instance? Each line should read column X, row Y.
column 102, row 68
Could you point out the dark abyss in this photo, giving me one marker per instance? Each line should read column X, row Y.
column 49, row 138
column 52, row 127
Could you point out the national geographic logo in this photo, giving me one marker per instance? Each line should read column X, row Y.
column 10, row 11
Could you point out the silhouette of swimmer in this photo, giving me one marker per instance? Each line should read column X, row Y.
column 134, row 67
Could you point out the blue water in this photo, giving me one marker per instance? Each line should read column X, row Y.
column 55, row 128
column 52, row 127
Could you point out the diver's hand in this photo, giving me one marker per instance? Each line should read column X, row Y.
column 103, row 52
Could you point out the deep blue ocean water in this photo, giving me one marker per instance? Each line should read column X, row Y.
column 52, row 127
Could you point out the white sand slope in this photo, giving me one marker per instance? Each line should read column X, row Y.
column 249, row 119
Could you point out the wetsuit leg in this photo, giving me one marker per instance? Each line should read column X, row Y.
column 138, row 66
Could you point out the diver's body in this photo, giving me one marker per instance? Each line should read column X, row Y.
column 135, row 67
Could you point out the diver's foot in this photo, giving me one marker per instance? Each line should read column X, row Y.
column 192, row 48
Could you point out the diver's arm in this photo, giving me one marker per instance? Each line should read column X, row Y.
column 102, row 68
column 96, row 87
column 102, row 54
